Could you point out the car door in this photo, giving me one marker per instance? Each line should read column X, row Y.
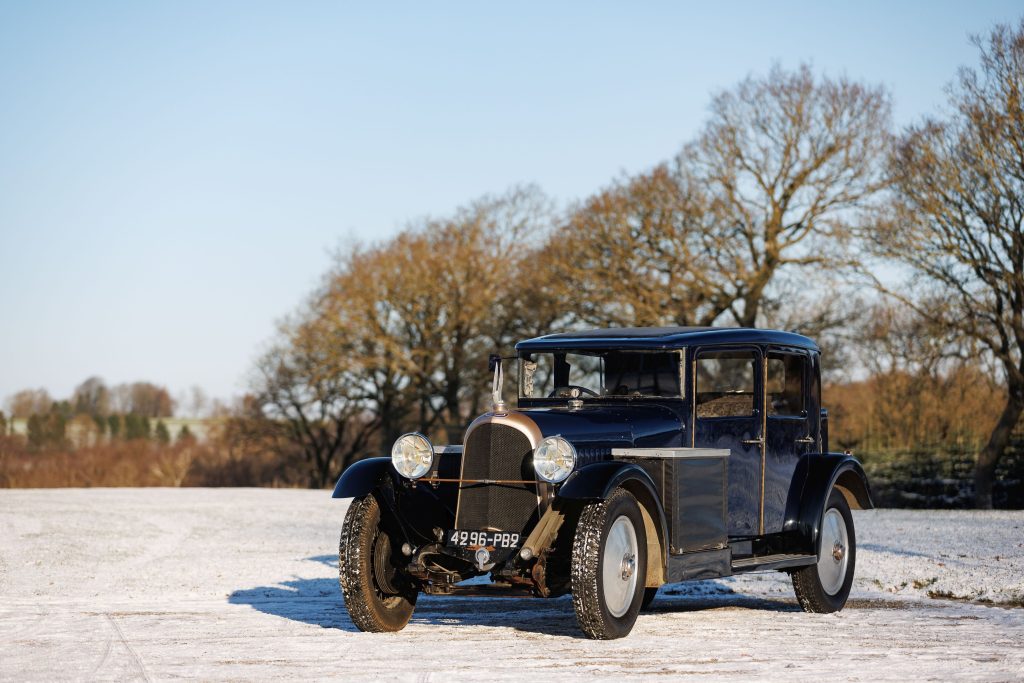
column 728, row 401
column 787, row 430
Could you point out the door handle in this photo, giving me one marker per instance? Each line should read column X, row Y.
column 753, row 442
column 805, row 439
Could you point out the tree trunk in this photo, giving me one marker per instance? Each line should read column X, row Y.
column 453, row 426
column 321, row 464
column 751, row 307
column 988, row 458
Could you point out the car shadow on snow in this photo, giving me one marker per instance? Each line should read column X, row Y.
column 319, row 602
column 311, row 601
column 880, row 548
column 673, row 602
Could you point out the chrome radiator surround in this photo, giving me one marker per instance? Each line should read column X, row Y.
column 498, row 448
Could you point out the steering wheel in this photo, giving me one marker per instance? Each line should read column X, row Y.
column 557, row 391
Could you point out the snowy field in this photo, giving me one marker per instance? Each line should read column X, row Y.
column 154, row 584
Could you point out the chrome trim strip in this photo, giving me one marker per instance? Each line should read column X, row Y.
column 764, row 428
column 693, row 398
column 671, row 453
column 432, row 480
column 510, row 419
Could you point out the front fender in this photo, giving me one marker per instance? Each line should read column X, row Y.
column 362, row 477
column 822, row 473
column 597, row 481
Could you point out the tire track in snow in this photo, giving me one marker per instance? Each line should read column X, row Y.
column 131, row 651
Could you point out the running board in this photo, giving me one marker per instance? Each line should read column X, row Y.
column 763, row 562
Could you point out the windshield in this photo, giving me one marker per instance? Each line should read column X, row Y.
column 600, row 373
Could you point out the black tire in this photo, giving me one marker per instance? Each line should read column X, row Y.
column 378, row 597
column 649, row 595
column 589, row 598
column 811, row 583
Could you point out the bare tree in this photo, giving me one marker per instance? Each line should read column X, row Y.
column 958, row 223
column 28, row 402
column 422, row 311
column 786, row 162
column 633, row 255
column 197, row 401
column 141, row 398
column 481, row 251
column 92, row 397
column 300, row 383
column 150, row 400
column 771, row 187
column 355, row 304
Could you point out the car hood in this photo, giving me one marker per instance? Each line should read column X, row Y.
column 628, row 425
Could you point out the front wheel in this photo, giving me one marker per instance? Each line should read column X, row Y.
column 377, row 595
column 609, row 566
column 825, row 586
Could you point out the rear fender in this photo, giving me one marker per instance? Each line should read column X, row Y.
column 597, row 481
column 822, row 472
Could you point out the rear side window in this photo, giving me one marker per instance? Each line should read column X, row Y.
column 725, row 384
column 785, row 386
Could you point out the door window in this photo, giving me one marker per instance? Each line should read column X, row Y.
column 785, row 386
column 725, row 384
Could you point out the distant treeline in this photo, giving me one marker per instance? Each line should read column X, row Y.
column 78, row 442
column 93, row 414
column 59, row 428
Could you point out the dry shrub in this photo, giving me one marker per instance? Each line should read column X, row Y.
column 913, row 411
column 236, row 456
column 249, row 452
column 117, row 463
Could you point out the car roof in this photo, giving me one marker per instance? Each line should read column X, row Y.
column 664, row 338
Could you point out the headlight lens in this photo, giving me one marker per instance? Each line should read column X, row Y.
column 412, row 455
column 554, row 459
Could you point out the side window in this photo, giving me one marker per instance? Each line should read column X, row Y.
column 725, row 384
column 785, row 387
column 642, row 374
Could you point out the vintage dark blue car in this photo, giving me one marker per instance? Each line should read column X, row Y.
column 636, row 457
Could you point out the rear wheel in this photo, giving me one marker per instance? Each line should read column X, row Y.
column 609, row 566
column 824, row 587
column 377, row 595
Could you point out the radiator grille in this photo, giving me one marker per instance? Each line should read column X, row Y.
column 495, row 451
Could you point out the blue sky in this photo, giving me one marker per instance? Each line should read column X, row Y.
column 174, row 175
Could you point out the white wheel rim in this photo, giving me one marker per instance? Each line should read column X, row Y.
column 619, row 566
column 835, row 552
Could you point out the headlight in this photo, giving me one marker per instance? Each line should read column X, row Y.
column 554, row 459
column 412, row 455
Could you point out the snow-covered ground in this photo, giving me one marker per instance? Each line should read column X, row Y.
column 108, row 584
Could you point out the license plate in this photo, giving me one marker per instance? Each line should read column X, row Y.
column 492, row 539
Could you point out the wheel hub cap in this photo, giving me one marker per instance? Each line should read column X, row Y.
column 628, row 566
column 834, row 559
column 618, row 566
